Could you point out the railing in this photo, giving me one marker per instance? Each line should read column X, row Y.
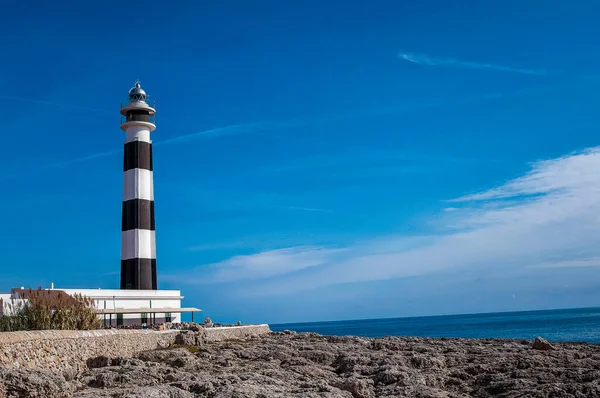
column 151, row 104
column 151, row 119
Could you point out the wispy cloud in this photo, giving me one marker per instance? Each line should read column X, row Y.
column 64, row 163
column 266, row 264
column 582, row 262
column 423, row 59
column 205, row 134
column 256, row 127
column 548, row 218
column 233, row 129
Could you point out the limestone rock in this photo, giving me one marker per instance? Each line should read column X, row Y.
column 186, row 337
column 179, row 357
column 144, row 392
column 98, row 362
column 17, row 383
column 307, row 365
column 359, row 388
column 542, row 344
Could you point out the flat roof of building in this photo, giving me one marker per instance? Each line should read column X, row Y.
column 146, row 310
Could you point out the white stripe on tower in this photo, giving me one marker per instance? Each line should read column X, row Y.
column 138, row 241
column 138, row 184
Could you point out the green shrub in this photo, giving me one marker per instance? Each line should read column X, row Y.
column 46, row 310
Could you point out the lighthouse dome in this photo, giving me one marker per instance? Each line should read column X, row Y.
column 137, row 93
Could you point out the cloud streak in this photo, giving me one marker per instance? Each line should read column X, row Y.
column 241, row 128
column 545, row 219
column 423, row 59
column 265, row 126
column 205, row 134
column 249, row 127
column 266, row 264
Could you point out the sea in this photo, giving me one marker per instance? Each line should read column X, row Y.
column 568, row 325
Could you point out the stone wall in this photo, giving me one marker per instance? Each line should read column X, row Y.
column 70, row 350
column 235, row 332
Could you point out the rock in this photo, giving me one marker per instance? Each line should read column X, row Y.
column 311, row 366
column 541, row 344
column 98, row 362
column 179, row 357
column 319, row 356
column 346, row 363
column 390, row 375
column 126, row 362
column 359, row 388
column 196, row 387
column 109, row 379
column 186, row 337
column 34, row 383
column 144, row 392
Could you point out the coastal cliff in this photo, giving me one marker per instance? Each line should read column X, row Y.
column 309, row 365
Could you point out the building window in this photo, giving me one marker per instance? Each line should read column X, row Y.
column 168, row 317
column 119, row 319
column 144, row 318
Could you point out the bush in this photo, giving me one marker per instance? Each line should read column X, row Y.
column 45, row 310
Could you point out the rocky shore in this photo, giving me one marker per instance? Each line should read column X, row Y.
column 308, row 365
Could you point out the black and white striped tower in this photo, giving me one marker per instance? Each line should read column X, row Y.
column 138, row 240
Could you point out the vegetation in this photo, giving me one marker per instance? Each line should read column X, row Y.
column 44, row 310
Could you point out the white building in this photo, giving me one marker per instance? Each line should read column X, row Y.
column 117, row 307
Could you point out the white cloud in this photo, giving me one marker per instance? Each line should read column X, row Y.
column 423, row 59
column 550, row 217
column 266, row 264
column 583, row 262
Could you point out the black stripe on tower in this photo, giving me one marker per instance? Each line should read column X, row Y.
column 138, row 273
column 138, row 155
column 138, row 214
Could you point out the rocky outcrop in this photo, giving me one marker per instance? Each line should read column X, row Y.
column 235, row 332
column 542, row 344
column 308, row 365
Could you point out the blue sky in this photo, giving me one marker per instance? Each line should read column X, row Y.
column 315, row 160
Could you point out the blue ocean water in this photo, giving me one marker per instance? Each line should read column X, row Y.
column 572, row 325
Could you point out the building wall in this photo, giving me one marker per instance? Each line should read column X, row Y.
column 115, row 299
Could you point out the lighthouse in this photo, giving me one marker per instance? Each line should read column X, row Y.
column 138, row 300
column 138, row 239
